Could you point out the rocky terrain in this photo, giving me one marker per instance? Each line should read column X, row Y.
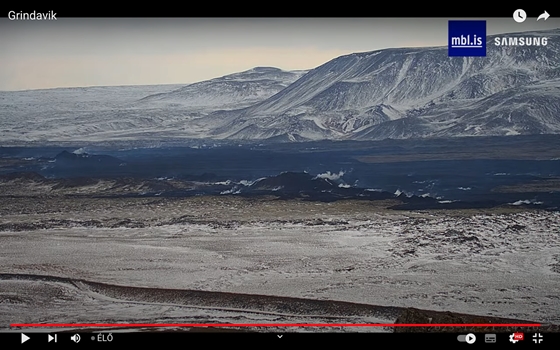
column 85, row 259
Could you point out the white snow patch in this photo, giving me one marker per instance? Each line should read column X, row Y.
column 228, row 182
column 526, row 201
column 330, row 176
column 248, row 183
column 231, row 191
column 512, row 132
column 80, row 151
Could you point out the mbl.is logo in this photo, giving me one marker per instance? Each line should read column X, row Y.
column 467, row 38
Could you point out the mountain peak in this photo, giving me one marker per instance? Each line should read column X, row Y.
column 417, row 92
column 392, row 93
column 265, row 69
column 229, row 92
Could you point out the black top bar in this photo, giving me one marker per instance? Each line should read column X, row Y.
column 211, row 9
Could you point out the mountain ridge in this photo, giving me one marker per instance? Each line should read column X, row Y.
column 388, row 93
column 364, row 90
column 232, row 91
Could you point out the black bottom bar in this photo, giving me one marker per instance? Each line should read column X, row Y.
column 214, row 337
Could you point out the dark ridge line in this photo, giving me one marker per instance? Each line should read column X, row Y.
column 220, row 299
column 263, row 303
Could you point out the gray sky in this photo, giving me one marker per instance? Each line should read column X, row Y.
column 96, row 52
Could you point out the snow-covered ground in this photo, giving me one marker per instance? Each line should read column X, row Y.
column 497, row 264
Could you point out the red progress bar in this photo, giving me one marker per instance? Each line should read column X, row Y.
column 272, row 325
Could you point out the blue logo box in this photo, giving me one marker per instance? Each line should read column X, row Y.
column 467, row 39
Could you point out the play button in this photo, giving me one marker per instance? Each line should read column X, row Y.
column 24, row 338
column 470, row 338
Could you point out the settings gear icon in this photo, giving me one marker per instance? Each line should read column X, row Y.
column 511, row 338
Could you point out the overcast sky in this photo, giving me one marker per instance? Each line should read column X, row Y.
column 95, row 52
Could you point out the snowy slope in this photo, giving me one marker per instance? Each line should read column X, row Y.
column 402, row 93
column 132, row 112
column 229, row 92
column 391, row 93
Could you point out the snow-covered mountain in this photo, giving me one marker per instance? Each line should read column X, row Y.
column 390, row 93
column 415, row 92
column 80, row 113
column 132, row 112
column 232, row 91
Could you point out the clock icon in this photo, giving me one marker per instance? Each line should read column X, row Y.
column 519, row 16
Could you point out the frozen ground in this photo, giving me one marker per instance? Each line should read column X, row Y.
column 500, row 262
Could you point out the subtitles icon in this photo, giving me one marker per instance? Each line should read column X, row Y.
column 490, row 338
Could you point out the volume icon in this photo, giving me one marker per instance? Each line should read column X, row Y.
column 75, row 338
